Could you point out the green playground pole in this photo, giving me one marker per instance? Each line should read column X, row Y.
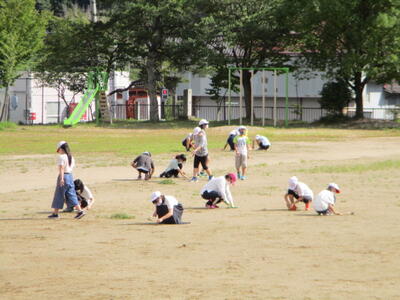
column 229, row 96
column 287, row 97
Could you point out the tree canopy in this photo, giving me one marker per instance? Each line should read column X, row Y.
column 22, row 30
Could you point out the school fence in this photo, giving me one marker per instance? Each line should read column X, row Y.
column 219, row 113
column 295, row 113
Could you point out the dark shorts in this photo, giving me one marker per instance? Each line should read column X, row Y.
column 142, row 170
column 230, row 142
column 293, row 193
column 264, row 147
column 176, row 218
column 323, row 212
column 213, row 197
column 200, row 160
column 170, row 173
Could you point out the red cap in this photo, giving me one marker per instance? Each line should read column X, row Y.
column 233, row 177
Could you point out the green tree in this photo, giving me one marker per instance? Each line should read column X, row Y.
column 22, row 30
column 354, row 40
column 244, row 34
column 157, row 33
column 335, row 96
column 84, row 47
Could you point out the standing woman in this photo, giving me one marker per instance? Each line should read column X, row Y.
column 65, row 183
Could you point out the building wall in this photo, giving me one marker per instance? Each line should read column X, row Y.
column 297, row 88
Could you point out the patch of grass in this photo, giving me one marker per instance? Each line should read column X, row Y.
column 354, row 168
column 7, row 125
column 121, row 216
column 167, row 181
column 129, row 139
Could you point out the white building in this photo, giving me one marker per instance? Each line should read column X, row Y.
column 33, row 103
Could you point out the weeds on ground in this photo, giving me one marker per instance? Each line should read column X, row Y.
column 167, row 181
column 121, row 216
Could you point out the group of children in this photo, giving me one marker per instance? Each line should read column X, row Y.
column 324, row 203
column 167, row 209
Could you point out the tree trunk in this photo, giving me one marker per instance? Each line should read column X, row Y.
column 5, row 109
column 358, row 90
column 151, row 66
column 247, row 93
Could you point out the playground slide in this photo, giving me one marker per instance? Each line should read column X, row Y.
column 82, row 106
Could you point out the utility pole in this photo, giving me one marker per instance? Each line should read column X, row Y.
column 93, row 9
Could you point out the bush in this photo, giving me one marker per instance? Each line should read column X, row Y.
column 335, row 96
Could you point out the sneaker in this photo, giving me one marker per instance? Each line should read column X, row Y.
column 80, row 214
column 53, row 216
column 68, row 209
column 139, row 177
column 238, row 176
column 293, row 207
column 242, row 177
column 202, row 173
column 210, row 177
column 194, row 179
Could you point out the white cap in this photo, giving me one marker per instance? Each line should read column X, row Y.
column 258, row 137
column 60, row 144
column 147, row 153
column 335, row 186
column 293, row 182
column 242, row 128
column 203, row 122
column 196, row 131
column 155, row 195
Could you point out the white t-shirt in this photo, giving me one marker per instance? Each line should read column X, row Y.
column 87, row 194
column 324, row 198
column 241, row 142
column 221, row 186
column 303, row 190
column 170, row 202
column 173, row 165
column 63, row 161
column 264, row 141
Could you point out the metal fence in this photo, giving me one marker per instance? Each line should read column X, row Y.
column 295, row 113
column 221, row 113
column 215, row 113
column 140, row 111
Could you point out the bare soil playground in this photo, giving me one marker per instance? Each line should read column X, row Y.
column 257, row 251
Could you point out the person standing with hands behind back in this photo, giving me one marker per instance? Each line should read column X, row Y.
column 242, row 148
column 65, row 183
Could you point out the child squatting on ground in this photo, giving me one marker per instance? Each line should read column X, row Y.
column 324, row 204
column 217, row 190
column 175, row 167
column 167, row 209
column 65, row 188
column 84, row 194
column 229, row 141
column 144, row 164
column 262, row 142
column 298, row 192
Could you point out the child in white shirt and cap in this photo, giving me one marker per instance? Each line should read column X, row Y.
column 167, row 209
column 324, row 204
column 298, row 192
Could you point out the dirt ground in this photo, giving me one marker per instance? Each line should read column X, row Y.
column 257, row 251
